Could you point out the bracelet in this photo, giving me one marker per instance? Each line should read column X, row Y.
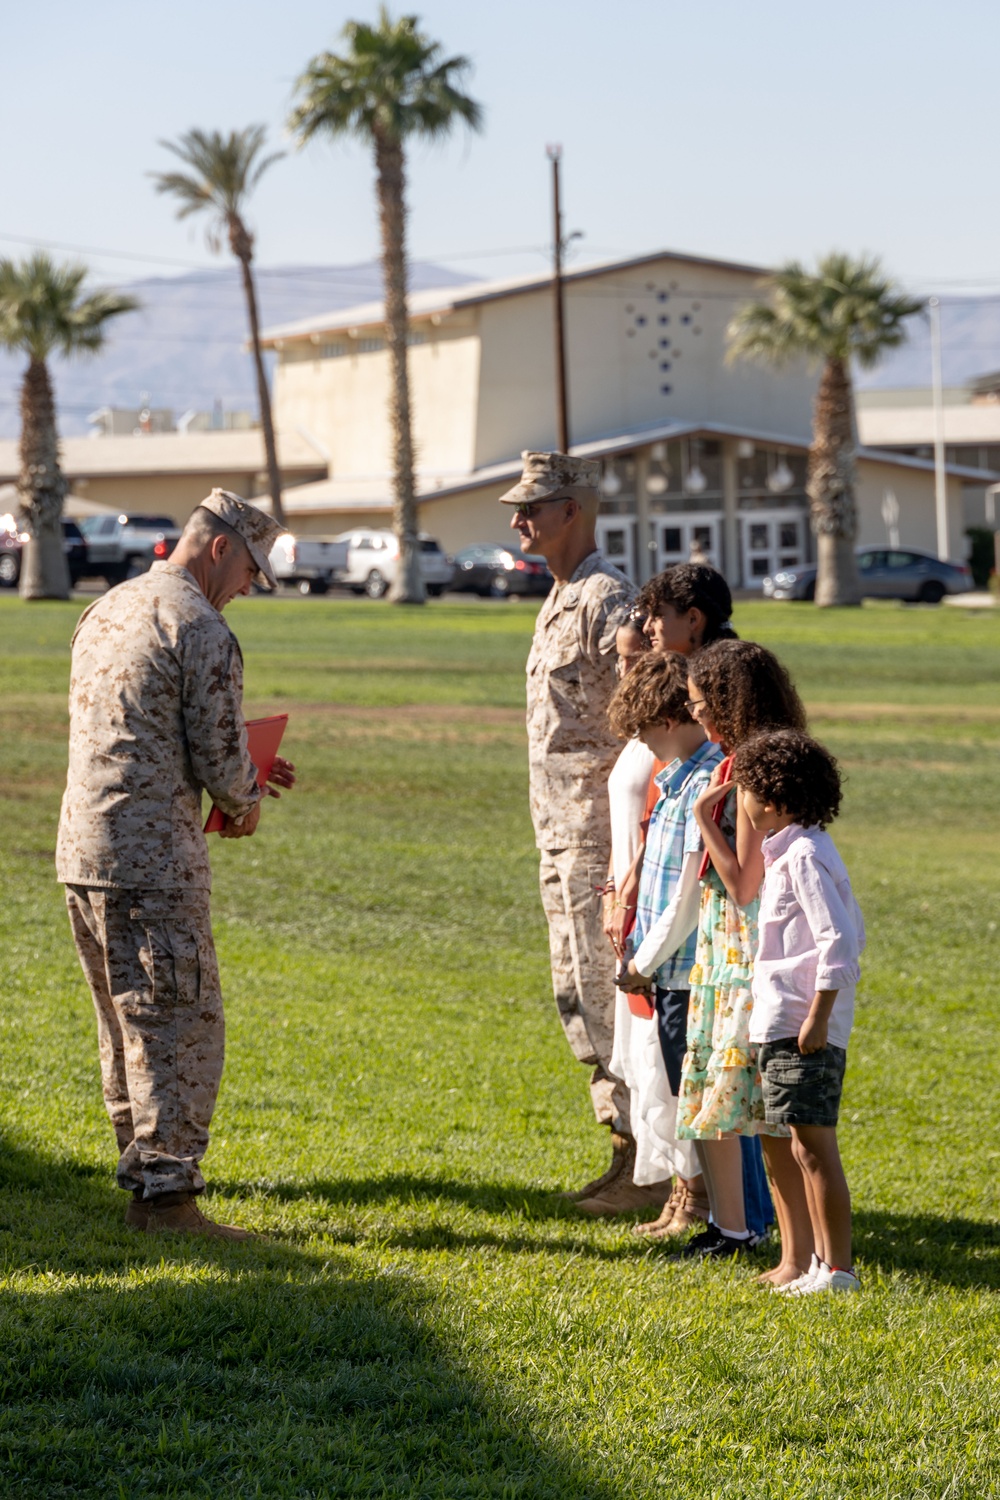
column 622, row 906
column 606, row 890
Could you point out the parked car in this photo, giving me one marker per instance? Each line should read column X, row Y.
column 499, row 569
column 309, row 563
column 123, row 546
column 373, row 561
column 12, row 545
column 886, row 573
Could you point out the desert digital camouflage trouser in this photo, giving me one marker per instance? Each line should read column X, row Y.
column 583, row 971
column 150, row 963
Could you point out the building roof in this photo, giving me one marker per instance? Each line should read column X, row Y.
column 373, row 493
column 444, row 300
column 173, row 453
column 914, row 426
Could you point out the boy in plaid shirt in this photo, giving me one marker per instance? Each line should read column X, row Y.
column 651, row 703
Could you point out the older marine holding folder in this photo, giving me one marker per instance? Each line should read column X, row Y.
column 156, row 717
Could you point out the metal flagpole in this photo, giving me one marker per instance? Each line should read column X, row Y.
column 940, row 477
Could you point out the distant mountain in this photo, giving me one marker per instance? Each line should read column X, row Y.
column 970, row 346
column 184, row 348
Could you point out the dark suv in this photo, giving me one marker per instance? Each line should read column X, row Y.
column 12, row 545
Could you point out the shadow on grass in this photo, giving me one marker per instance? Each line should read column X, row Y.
column 140, row 1366
column 955, row 1252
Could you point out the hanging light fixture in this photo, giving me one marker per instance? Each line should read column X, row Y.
column 695, row 482
column 781, row 477
column 656, row 482
column 610, row 482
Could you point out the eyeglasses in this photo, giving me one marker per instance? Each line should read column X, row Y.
column 637, row 616
column 530, row 509
column 693, row 703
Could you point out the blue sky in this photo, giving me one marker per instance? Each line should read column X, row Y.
column 753, row 132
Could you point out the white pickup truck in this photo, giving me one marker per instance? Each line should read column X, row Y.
column 309, row 563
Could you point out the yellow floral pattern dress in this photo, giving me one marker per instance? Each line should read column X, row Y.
column 720, row 1093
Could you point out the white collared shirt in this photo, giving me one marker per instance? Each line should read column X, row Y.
column 811, row 935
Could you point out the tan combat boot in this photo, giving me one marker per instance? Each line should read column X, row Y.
column 178, row 1213
column 137, row 1213
column 690, row 1209
column 658, row 1227
column 622, row 1159
column 624, row 1197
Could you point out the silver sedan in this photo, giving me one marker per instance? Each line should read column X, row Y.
column 886, row 573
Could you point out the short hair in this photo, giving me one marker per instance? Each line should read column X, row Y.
column 746, row 690
column 792, row 770
column 692, row 586
column 203, row 526
column 655, row 689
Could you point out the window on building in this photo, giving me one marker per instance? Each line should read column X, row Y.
column 332, row 351
column 370, row 345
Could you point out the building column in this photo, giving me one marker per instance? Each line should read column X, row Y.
column 644, row 553
column 731, row 564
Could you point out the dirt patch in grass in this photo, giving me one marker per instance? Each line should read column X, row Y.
column 955, row 713
column 466, row 723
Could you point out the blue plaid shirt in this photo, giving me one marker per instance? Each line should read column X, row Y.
column 672, row 833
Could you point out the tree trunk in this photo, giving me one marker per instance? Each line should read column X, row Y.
column 409, row 585
column 41, row 490
column 830, row 486
column 241, row 243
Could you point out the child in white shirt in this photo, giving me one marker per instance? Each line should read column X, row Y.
column 811, row 934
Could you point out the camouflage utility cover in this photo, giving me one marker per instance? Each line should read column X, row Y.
column 571, row 676
column 156, row 714
column 547, row 474
column 259, row 530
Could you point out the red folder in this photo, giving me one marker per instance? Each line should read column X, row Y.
column 263, row 739
column 706, row 859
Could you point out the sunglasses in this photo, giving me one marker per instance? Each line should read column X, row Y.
column 530, row 509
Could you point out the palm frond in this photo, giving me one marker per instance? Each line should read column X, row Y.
column 390, row 83
column 846, row 309
column 41, row 309
column 224, row 170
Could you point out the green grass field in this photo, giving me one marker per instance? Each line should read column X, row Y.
column 424, row 1317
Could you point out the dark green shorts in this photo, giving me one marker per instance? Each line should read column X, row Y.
column 801, row 1090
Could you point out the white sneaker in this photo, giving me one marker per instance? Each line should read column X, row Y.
column 816, row 1281
column 829, row 1280
column 793, row 1288
column 844, row 1281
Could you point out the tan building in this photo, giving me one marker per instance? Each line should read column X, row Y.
column 693, row 448
column 904, row 421
column 168, row 473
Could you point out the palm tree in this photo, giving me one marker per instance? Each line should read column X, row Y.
column 847, row 310
column 43, row 312
column 224, row 172
column 391, row 83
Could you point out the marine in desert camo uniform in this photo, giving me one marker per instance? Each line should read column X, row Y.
column 571, row 752
column 156, row 716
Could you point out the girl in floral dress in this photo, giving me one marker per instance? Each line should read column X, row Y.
column 737, row 689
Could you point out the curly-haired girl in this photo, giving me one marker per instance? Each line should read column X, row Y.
column 687, row 606
column 811, row 934
column 737, row 689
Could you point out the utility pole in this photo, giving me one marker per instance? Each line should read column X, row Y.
column 554, row 153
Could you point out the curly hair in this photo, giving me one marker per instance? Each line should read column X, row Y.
column 746, row 690
column 692, row 586
column 794, row 772
column 655, row 689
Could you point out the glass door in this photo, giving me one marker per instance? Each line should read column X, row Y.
column 692, row 538
column 772, row 540
column 616, row 539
